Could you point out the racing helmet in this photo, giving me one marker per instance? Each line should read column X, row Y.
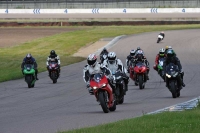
column 28, row 57
column 132, row 52
column 138, row 48
column 92, row 60
column 111, row 57
column 170, row 53
column 162, row 52
column 52, row 53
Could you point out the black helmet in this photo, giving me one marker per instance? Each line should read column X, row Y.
column 170, row 53
column 138, row 48
column 52, row 53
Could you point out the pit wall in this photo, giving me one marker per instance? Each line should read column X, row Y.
column 100, row 10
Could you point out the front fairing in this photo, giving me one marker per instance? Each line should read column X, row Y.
column 99, row 82
column 172, row 71
column 140, row 68
column 28, row 69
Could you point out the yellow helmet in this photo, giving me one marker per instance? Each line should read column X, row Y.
column 166, row 47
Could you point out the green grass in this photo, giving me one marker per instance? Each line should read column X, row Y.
column 67, row 44
column 168, row 122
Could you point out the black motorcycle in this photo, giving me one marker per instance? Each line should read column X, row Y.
column 172, row 73
column 120, row 87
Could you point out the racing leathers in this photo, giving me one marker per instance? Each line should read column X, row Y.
column 31, row 61
column 56, row 59
column 103, row 55
column 128, row 61
column 163, row 35
column 117, row 65
column 89, row 71
column 157, row 61
column 176, row 61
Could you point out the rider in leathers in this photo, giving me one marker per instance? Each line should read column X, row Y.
column 139, row 57
column 92, row 68
column 53, row 57
column 129, row 58
column 162, row 34
column 171, row 58
column 161, row 54
column 30, row 60
column 113, row 63
column 103, row 52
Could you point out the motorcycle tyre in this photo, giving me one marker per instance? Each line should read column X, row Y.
column 53, row 76
column 173, row 89
column 140, row 79
column 103, row 102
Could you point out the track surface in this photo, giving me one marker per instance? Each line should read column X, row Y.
column 48, row 107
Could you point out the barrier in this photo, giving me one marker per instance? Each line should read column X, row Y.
column 99, row 10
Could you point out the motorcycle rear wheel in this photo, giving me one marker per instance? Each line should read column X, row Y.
column 103, row 102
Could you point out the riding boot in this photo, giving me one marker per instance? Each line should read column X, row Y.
column 36, row 71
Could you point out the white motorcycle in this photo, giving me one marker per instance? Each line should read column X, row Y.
column 159, row 38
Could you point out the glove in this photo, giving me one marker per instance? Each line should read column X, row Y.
column 88, row 84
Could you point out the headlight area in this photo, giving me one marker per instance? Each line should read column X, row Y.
column 167, row 75
column 97, row 87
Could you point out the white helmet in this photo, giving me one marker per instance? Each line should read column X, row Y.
column 92, row 60
column 140, row 52
column 162, row 52
column 132, row 52
column 111, row 57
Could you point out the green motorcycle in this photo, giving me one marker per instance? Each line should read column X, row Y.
column 160, row 68
column 29, row 73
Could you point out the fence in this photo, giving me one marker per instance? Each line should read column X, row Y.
column 58, row 4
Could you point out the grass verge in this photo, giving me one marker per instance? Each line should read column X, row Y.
column 67, row 44
column 168, row 122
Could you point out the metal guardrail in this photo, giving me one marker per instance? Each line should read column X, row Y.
column 57, row 4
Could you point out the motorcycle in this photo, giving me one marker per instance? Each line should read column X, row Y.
column 103, row 92
column 140, row 75
column 119, row 90
column 53, row 68
column 29, row 73
column 159, row 38
column 172, row 72
column 160, row 68
column 131, row 70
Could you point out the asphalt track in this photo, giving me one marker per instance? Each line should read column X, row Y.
column 48, row 107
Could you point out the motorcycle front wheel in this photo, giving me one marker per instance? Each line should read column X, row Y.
column 103, row 101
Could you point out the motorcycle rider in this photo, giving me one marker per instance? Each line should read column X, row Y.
column 139, row 57
column 138, row 48
column 114, row 62
column 30, row 60
column 92, row 68
column 129, row 58
column 161, row 54
column 103, row 52
column 53, row 57
column 171, row 58
column 162, row 34
column 167, row 48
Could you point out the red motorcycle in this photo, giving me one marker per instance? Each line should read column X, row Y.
column 138, row 73
column 53, row 68
column 103, row 92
